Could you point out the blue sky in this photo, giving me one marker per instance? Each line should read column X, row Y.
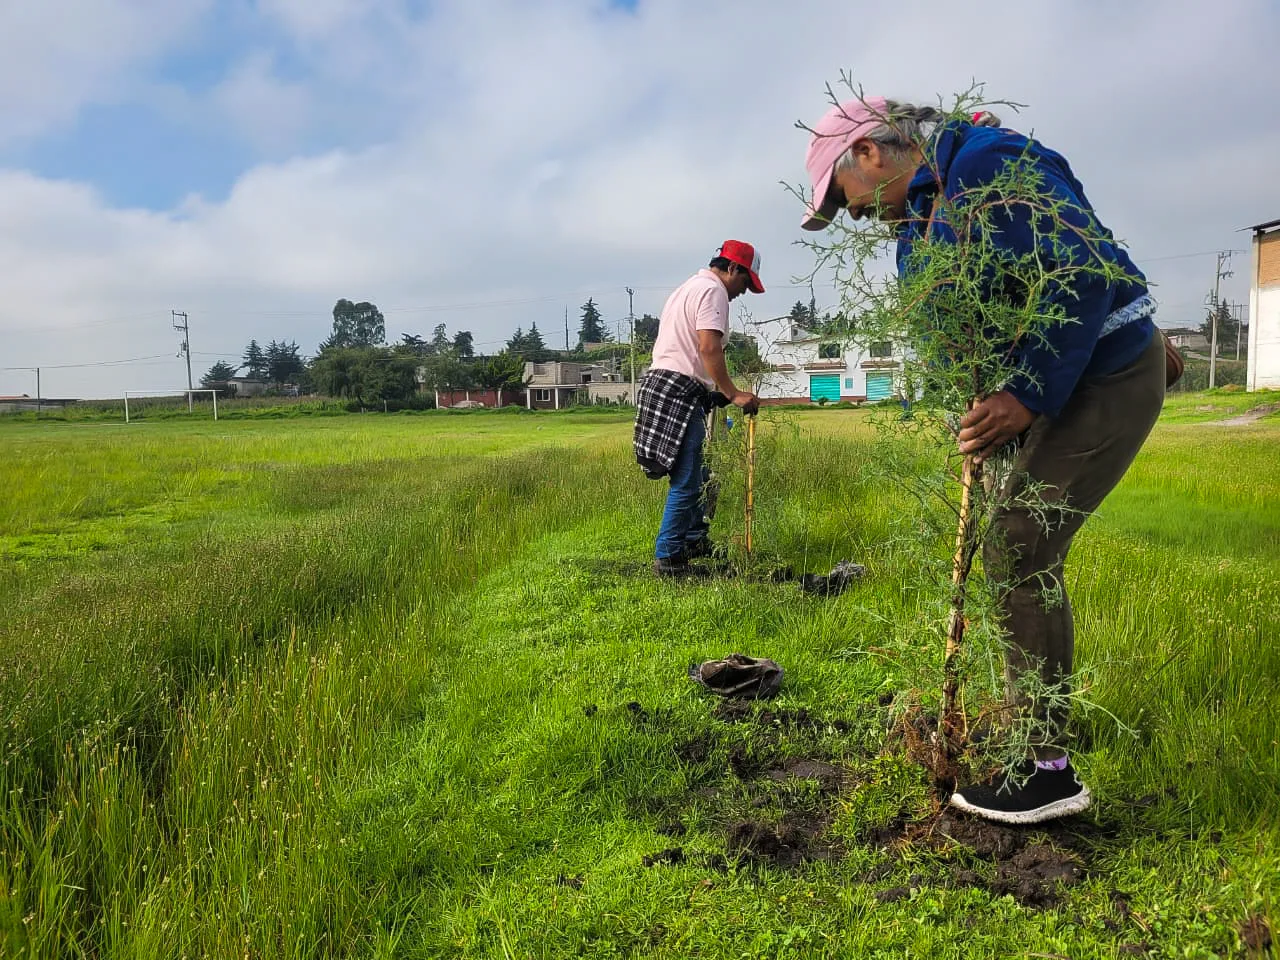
column 488, row 163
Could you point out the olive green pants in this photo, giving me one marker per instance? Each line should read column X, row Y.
column 1062, row 472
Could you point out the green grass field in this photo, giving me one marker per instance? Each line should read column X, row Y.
column 401, row 685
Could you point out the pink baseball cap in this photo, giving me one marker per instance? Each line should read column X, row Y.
column 839, row 128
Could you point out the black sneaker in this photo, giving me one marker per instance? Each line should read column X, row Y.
column 677, row 567
column 1043, row 795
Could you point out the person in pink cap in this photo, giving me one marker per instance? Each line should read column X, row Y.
column 1080, row 404
column 676, row 394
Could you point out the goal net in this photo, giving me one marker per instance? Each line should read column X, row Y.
column 137, row 402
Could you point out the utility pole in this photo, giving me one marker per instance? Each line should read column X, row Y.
column 566, row 329
column 1238, row 309
column 1223, row 257
column 39, row 405
column 186, row 348
column 631, row 315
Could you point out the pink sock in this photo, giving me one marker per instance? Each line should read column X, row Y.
column 1059, row 764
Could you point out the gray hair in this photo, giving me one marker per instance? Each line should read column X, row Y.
column 905, row 126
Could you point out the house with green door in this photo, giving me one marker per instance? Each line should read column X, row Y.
column 807, row 367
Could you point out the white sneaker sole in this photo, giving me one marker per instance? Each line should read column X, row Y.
column 1077, row 803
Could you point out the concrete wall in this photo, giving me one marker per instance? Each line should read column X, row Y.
column 490, row 398
column 1263, row 371
column 610, row 392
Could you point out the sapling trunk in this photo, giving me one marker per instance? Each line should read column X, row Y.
column 951, row 725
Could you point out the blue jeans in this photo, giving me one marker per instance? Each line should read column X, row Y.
column 684, row 520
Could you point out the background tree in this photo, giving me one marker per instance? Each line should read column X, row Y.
column 499, row 372
column 742, row 357
column 255, row 361
column 529, row 346
column 535, row 349
column 357, row 325
column 592, row 328
column 217, row 378
column 646, row 332
column 463, row 344
column 413, row 343
column 284, row 363
column 440, row 343
column 1228, row 331
column 367, row 374
column 445, row 373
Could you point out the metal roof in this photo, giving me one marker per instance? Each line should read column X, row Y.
column 1259, row 227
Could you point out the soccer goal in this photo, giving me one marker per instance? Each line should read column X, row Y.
column 137, row 395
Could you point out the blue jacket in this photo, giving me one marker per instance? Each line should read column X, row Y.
column 965, row 157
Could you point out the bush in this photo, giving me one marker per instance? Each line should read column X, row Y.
column 1195, row 376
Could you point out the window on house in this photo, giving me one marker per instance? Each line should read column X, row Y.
column 828, row 351
column 542, row 396
column 848, row 383
column 882, row 350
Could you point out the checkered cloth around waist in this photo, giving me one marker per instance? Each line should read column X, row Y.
column 666, row 403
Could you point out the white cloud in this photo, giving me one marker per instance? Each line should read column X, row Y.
column 270, row 112
column 544, row 155
column 58, row 55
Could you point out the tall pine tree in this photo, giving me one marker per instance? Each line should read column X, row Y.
column 255, row 361
column 592, row 329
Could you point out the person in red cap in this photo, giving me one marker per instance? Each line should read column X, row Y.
column 1077, row 408
column 676, row 394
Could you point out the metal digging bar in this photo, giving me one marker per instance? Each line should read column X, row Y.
column 751, row 479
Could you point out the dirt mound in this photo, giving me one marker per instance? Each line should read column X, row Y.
column 1031, row 864
column 778, row 807
column 1255, row 934
column 792, row 842
column 1244, row 419
column 745, row 711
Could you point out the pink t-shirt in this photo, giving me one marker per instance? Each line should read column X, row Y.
column 700, row 303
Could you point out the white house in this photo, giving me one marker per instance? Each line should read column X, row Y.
column 809, row 368
column 1263, row 370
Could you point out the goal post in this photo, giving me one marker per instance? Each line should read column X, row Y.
column 141, row 394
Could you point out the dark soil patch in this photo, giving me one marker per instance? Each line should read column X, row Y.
column 1255, row 934
column 990, row 841
column 747, row 762
column 789, row 844
column 672, row 828
column 646, row 719
column 570, row 880
column 669, row 856
column 1036, row 875
column 893, row 894
column 697, row 750
column 743, row 711
column 1030, row 865
column 885, row 835
column 1134, row 949
column 675, row 856
column 828, row 776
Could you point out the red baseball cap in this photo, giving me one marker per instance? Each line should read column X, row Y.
column 744, row 255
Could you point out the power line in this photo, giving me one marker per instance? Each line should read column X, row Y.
column 95, row 363
column 481, row 304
